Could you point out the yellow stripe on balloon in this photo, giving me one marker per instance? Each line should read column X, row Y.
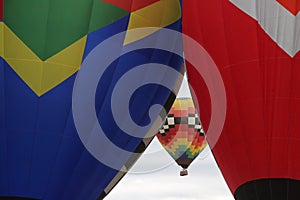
column 41, row 76
column 1, row 39
column 15, row 48
column 183, row 105
column 158, row 15
column 195, row 149
column 174, row 145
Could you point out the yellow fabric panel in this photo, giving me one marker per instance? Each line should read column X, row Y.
column 71, row 56
column 195, row 150
column 183, row 104
column 14, row 48
column 137, row 21
column 159, row 14
column 172, row 12
column 54, row 74
column 30, row 72
column 41, row 76
column 1, row 39
column 176, row 143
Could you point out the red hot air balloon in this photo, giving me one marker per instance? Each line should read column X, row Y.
column 255, row 46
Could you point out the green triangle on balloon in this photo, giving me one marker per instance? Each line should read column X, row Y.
column 104, row 14
column 49, row 26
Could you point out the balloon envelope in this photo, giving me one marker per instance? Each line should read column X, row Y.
column 255, row 47
column 42, row 46
column 182, row 135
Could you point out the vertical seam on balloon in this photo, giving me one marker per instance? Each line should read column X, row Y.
column 203, row 43
column 114, row 71
column 45, row 48
column 90, row 17
column 295, row 36
column 99, row 110
column 81, row 154
column 38, row 106
column 4, row 95
column 131, row 5
column 277, row 35
column 133, row 97
column 128, row 142
column 233, row 89
column 296, row 40
column 33, row 144
column 145, row 114
column 66, row 122
column 111, row 86
column 275, row 87
column 265, row 103
column 289, row 118
column 46, row 30
column 287, row 188
column 270, row 188
column 56, row 156
column 4, row 107
column 262, row 72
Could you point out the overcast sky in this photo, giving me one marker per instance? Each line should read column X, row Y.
column 203, row 182
column 156, row 176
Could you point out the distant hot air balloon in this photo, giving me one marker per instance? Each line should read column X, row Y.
column 255, row 45
column 182, row 134
column 42, row 46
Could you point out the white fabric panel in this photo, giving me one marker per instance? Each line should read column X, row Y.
column 280, row 24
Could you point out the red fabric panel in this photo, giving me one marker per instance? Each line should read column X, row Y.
column 261, row 135
column 292, row 5
column 131, row 5
column 1, row 9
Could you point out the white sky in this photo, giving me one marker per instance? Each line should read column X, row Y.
column 156, row 176
column 203, row 182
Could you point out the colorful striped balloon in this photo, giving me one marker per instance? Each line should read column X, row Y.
column 182, row 134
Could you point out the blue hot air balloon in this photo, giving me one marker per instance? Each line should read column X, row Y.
column 44, row 45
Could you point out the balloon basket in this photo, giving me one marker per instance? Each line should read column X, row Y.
column 183, row 172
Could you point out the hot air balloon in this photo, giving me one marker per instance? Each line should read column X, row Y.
column 182, row 135
column 43, row 45
column 255, row 46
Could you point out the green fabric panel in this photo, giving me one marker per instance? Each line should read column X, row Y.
column 104, row 14
column 49, row 26
column 190, row 154
column 28, row 20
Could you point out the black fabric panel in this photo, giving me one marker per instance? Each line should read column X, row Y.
column 181, row 120
column 269, row 189
column 184, row 162
column 141, row 148
column 103, row 194
column 168, row 105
